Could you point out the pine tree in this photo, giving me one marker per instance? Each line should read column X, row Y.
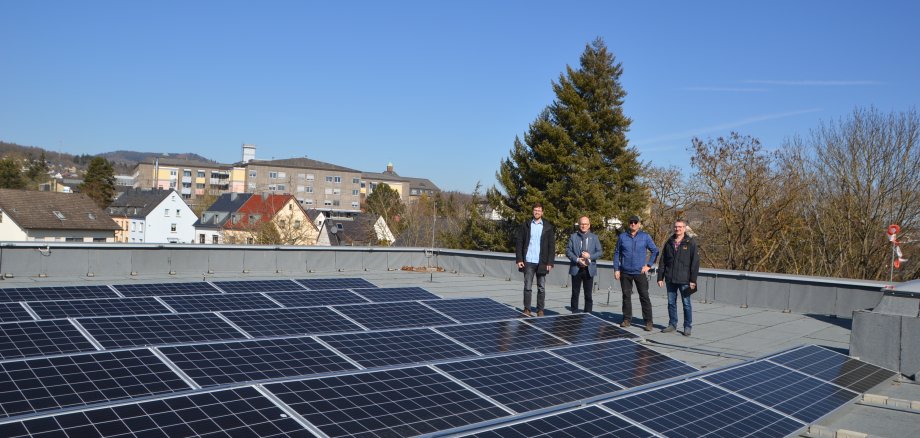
column 11, row 175
column 575, row 156
column 99, row 182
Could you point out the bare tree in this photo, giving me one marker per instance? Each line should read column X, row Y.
column 671, row 195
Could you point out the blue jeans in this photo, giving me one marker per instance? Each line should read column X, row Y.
column 684, row 290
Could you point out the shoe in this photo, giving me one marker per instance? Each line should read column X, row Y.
column 649, row 326
column 668, row 329
column 687, row 331
column 527, row 313
column 539, row 313
column 625, row 323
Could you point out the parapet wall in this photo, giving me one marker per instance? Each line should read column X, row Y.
column 74, row 262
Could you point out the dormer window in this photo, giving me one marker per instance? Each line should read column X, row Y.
column 59, row 215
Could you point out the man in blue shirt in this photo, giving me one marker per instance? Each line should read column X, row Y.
column 535, row 248
column 631, row 261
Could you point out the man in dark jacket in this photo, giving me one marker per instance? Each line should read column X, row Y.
column 631, row 261
column 583, row 250
column 535, row 247
column 679, row 267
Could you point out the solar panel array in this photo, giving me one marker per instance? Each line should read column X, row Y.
column 355, row 360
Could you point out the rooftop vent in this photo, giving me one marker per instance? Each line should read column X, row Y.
column 59, row 215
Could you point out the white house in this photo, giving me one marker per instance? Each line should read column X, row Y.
column 153, row 216
column 52, row 217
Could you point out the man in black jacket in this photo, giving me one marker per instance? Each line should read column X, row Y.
column 535, row 247
column 679, row 267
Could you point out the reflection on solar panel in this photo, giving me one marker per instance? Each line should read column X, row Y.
column 695, row 409
column 625, row 362
column 218, row 302
column 388, row 294
column 162, row 289
column 590, row 421
column 402, row 402
column 98, row 307
column 257, row 285
column 474, row 309
column 335, row 283
column 283, row 322
column 787, row 391
column 401, row 347
column 41, row 384
column 11, row 294
column 834, row 367
column 233, row 412
column 316, row 298
column 580, row 328
column 13, row 312
column 501, row 336
column 41, row 338
column 393, row 315
column 529, row 381
column 231, row 362
column 132, row 331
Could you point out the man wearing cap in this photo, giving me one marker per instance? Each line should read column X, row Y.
column 535, row 247
column 634, row 255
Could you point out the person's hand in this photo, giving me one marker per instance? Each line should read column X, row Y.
column 616, row 275
column 585, row 255
column 520, row 265
column 692, row 285
column 645, row 269
column 660, row 283
column 549, row 268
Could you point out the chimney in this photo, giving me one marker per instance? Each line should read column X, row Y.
column 249, row 152
column 233, row 196
column 389, row 167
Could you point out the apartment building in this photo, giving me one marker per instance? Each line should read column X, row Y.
column 410, row 189
column 315, row 184
column 190, row 178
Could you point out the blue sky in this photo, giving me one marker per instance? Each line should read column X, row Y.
column 440, row 89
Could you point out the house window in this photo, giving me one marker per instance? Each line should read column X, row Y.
column 199, row 185
column 252, row 173
column 173, row 172
column 59, row 215
column 73, row 239
column 307, row 202
column 297, row 224
column 356, row 180
column 172, row 228
column 214, row 238
column 328, row 179
column 132, row 226
column 271, row 187
column 249, row 240
column 309, row 177
column 187, row 173
column 166, row 212
column 336, row 192
column 281, row 187
column 354, row 204
column 200, row 174
column 413, row 192
column 309, row 189
column 336, row 203
column 338, row 179
column 201, row 238
column 140, row 226
column 299, row 189
column 186, row 196
column 282, row 175
column 339, row 226
column 355, row 192
column 273, row 175
column 98, row 239
column 327, row 203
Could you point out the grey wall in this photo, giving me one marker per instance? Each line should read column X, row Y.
column 800, row 294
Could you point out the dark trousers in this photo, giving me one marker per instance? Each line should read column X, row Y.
column 626, row 282
column 579, row 279
column 530, row 270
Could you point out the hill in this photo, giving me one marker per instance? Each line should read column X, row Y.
column 123, row 161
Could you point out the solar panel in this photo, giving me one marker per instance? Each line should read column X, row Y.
column 285, row 322
column 334, row 283
column 580, row 328
column 232, row 362
column 257, row 285
column 42, row 384
column 233, row 412
column 400, row 347
column 529, row 381
column 834, row 367
column 41, row 338
column 218, row 302
column 501, row 336
column 12, row 294
column 389, row 294
column 164, row 289
column 474, row 309
column 97, row 307
column 14, row 312
column 393, row 315
column 132, row 331
column 590, row 421
column 625, row 362
column 695, row 408
column 317, row 298
column 400, row 402
column 787, row 391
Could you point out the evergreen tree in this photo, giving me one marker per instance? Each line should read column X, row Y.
column 385, row 201
column 99, row 182
column 478, row 232
column 575, row 157
column 37, row 170
column 11, row 175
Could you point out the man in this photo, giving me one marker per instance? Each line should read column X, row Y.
column 583, row 250
column 679, row 268
column 635, row 253
column 535, row 247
